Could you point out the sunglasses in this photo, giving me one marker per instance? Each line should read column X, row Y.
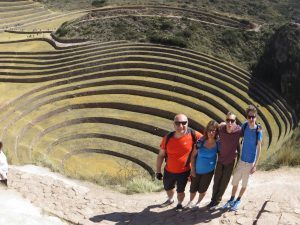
column 230, row 120
column 177, row 123
column 251, row 117
column 211, row 131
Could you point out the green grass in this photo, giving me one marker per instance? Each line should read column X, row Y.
column 158, row 81
column 128, row 180
column 142, row 185
column 288, row 155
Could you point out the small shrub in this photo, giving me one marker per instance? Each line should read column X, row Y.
column 44, row 161
column 62, row 30
column 166, row 25
column 143, row 185
column 168, row 40
column 231, row 38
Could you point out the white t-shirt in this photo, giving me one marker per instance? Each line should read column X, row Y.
column 3, row 163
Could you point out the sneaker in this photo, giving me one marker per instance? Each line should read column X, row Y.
column 167, row 203
column 212, row 205
column 179, row 208
column 228, row 204
column 190, row 205
column 209, row 205
column 235, row 205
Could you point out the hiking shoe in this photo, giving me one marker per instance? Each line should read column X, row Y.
column 228, row 204
column 179, row 208
column 166, row 203
column 212, row 205
column 235, row 205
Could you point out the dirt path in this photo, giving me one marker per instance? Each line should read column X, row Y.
column 274, row 198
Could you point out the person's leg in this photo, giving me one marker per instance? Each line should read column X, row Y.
column 201, row 196
column 192, row 196
column 180, row 197
column 226, row 175
column 234, row 190
column 195, row 181
column 169, row 186
column 204, row 184
column 170, row 194
column 242, row 191
column 217, row 180
column 182, row 180
column 237, row 176
column 245, row 178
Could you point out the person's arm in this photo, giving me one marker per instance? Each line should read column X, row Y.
column 193, row 161
column 159, row 162
column 221, row 124
column 258, row 149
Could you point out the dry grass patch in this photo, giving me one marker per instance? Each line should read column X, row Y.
column 53, row 23
column 31, row 46
column 287, row 155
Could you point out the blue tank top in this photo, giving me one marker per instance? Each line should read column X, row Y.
column 206, row 157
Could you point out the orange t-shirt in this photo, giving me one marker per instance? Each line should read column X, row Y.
column 178, row 150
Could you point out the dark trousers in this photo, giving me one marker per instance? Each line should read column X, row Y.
column 221, row 180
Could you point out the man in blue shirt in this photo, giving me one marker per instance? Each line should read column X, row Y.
column 249, row 158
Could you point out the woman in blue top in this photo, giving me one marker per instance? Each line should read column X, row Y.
column 203, row 162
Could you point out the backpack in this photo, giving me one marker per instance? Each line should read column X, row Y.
column 194, row 138
column 244, row 126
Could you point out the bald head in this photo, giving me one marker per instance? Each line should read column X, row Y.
column 180, row 117
column 180, row 124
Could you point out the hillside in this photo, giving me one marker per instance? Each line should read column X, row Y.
column 239, row 46
column 260, row 10
column 279, row 66
column 93, row 99
column 254, row 51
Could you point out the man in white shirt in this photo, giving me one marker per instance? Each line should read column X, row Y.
column 3, row 166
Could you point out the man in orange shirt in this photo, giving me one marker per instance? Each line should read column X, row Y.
column 176, row 149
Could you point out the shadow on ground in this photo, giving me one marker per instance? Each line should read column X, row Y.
column 153, row 215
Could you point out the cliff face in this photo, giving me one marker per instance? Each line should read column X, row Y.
column 280, row 64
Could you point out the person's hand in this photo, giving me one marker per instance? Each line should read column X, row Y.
column 253, row 169
column 159, row 176
column 193, row 173
column 259, row 128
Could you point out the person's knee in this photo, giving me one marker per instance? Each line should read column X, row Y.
column 202, row 193
column 171, row 190
column 244, row 186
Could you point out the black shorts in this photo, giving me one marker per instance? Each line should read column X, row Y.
column 171, row 179
column 201, row 182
